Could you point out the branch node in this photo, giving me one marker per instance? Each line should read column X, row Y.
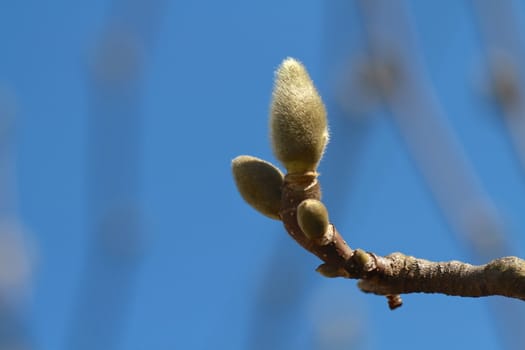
column 361, row 263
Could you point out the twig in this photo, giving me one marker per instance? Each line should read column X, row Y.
column 399, row 274
column 396, row 273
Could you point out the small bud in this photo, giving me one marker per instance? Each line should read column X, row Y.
column 361, row 258
column 259, row 183
column 331, row 271
column 312, row 218
column 298, row 125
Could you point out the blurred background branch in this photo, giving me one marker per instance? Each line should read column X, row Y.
column 115, row 161
column 16, row 254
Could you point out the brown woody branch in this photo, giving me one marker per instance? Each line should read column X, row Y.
column 396, row 273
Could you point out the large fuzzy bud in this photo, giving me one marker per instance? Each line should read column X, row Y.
column 259, row 183
column 299, row 131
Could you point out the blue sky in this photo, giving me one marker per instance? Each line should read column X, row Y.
column 205, row 270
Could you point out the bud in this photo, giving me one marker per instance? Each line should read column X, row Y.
column 332, row 271
column 299, row 131
column 259, row 183
column 361, row 259
column 312, row 218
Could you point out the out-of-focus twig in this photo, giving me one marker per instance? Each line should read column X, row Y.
column 396, row 66
column 504, row 47
column 114, row 159
column 407, row 92
column 15, row 257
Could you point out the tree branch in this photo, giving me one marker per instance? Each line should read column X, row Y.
column 399, row 274
column 396, row 273
column 299, row 136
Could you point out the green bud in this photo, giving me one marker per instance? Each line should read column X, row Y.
column 361, row 258
column 312, row 218
column 259, row 183
column 299, row 131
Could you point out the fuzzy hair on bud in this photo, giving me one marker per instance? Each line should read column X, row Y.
column 298, row 125
column 312, row 218
column 259, row 183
